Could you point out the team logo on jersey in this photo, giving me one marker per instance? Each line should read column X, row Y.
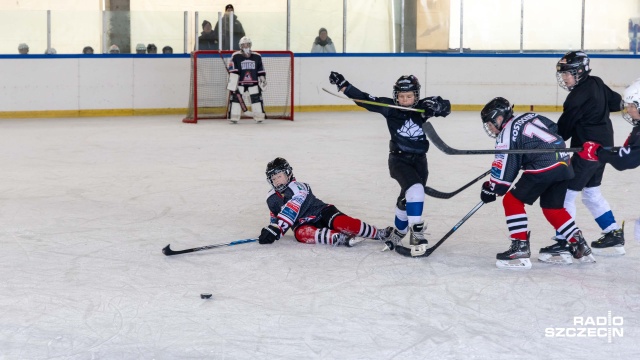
column 248, row 65
column 247, row 78
column 497, row 164
column 410, row 130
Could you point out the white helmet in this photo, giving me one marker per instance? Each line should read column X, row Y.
column 631, row 97
column 245, row 41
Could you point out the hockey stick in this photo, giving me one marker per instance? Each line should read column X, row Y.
column 374, row 102
column 442, row 195
column 407, row 252
column 439, row 143
column 168, row 252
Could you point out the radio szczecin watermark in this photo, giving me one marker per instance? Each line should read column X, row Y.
column 590, row 327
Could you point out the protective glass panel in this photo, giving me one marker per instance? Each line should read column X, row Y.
column 307, row 18
column 28, row 27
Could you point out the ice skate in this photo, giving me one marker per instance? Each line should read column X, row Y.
column 393, row 239
column 345, row 240
column 580, row 249
column 558, row 253
column 516, row 258
column 611, row 243
column 417, row 241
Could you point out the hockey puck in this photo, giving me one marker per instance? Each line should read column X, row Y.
column 205, row 296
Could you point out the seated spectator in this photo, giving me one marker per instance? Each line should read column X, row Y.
column 206, row 41
column 141, row 49
column 88, row 50
column 23, row 49
column 114, row 49
column 167, row 50
column 323, row 43
column 152, row 49
column 50, row 51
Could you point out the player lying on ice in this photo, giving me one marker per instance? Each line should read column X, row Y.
column 627, row 157
column 407, row 152
column 293, row 205
column 246, row 74
column 545, row 176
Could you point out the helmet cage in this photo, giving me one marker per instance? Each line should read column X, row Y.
column 625, row 112
column 277, row 166
column 575, row 63
column 407, row 83
column 489, row 114
column 631, row 97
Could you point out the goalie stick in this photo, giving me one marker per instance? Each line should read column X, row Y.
column 439, row 143
column 374, row 102
column 407, row 252
column 442, row 195
column 168, row 252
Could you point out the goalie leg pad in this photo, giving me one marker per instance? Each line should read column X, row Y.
column 236, row 112
column 232, row 85
column 256, row 104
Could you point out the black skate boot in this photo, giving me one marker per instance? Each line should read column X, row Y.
column 517, row 257
column 579, row 248
column 393, row 238
column 345, row 240
column 417, row 243
column 558, row 253
column 611, row 243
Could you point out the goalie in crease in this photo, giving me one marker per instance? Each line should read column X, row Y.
column 246, row 74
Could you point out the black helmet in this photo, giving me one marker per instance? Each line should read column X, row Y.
column 497, row 107
column 407, row 83
column 577, row 64
column 278, row 165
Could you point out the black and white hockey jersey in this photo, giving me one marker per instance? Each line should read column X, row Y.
column 247, row 68
column 295, row 206
column 628, row 157
column 404, row 126
column 529, row 131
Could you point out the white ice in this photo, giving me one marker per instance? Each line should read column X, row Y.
column 86, row 205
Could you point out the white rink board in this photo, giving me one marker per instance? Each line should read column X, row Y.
column 88, row 204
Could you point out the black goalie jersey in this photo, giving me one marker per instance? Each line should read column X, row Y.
column 529, row 131
column 296, row 206
column 247, row 68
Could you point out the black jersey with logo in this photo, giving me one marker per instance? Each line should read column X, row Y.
column 247, row 68
column 295, row 206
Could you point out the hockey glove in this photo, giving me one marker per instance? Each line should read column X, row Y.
column 269, row 234
column 338, row 80
column 487, row 194
column 434, row 106
column 589, row 151
column 262, row 82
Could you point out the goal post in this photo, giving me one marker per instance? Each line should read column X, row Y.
column 208, row 94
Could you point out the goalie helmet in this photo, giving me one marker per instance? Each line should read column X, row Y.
column 247, row 45
column 575, row 63
column 404, row 84
column 497, row 107
column 276, row 166
column 631, row 98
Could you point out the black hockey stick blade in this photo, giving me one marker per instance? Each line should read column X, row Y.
column 442, row 195
column 407, row 252
column 169, row 252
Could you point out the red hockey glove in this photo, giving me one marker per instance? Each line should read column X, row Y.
column 589, row 151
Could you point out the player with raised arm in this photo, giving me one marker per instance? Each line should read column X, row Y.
column 407, row 152
column 246, row 74
column 292, row 204
column 545, row 176
column 585, row 117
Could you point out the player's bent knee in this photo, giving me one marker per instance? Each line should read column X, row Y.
column 415, row 193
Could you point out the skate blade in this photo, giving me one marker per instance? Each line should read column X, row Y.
column 515, row 264
column 354, row 242
column 617, row 250
column 258, row 121
column 560, row 259
column 588, row 259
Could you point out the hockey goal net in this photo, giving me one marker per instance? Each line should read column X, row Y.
column 208, row 94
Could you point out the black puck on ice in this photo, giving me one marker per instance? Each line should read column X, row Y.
column 205, row 296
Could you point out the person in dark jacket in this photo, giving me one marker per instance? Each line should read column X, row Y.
column 206, row 40
column 238, row 30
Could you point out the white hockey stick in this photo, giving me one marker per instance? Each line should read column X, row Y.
column 374, row 102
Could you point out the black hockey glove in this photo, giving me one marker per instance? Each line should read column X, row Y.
column 434, row 106
column 338, row 80
column 269, row 234
column 487, row 194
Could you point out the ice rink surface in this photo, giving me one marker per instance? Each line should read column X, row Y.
column 86, row 205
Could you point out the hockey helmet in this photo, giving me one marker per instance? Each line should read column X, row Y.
column 404, row 84
column 576, row 63
column 631, row 98
column 497, row 107
column 247, row 42
column 276, row 166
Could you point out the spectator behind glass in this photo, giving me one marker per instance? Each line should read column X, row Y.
column 238, row 30
column 114, row 49
column 167, row 50
column 23, row 49
column 152, row 49
column 88, row 50
column 50, row 51
column 206, row 40
column 141, row 49
column 323, row 43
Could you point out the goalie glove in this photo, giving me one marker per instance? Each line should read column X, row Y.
column 262, row 82
column 269, row 234
column 434, row 106
column 338, row 80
